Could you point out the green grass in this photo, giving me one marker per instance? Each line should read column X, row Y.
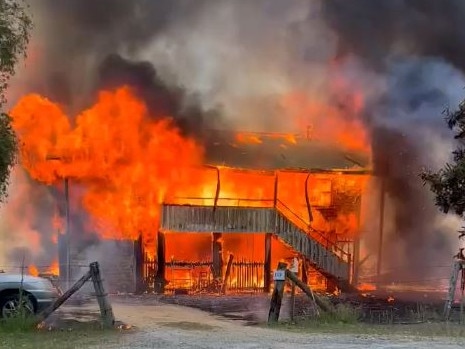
column 23, row 333
column 433, row 329
column 345, row 320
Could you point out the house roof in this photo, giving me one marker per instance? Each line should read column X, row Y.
column 273, row 151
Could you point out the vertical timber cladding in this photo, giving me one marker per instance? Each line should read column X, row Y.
column 222, row 219
column 219, row 219
column 116, row 259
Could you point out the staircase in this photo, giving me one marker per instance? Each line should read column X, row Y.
column 324, row 256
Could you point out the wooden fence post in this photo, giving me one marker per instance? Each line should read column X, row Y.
column 63, row 298
column 105, row 307
column 278, row 292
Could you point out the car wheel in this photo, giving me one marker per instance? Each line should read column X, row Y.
column 11, row 306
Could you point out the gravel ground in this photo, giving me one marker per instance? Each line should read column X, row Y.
column 172, row 326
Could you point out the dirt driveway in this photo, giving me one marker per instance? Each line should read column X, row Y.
column 171, row 326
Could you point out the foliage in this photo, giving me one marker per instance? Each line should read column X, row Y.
column 15, row 28
column 448, row 184
column 8, row 151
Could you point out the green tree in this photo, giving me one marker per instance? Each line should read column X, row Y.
column 15, row 29
column 448, row 184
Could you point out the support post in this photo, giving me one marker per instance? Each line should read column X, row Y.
column 381, row 228
column 267, row 265
column 68, row 235
column 106, row 310
column 139, row 267
column 160, row 279
column 354, row 259
column 217, row 255
column 277, row 296
column 227, row 273
column 304, row 271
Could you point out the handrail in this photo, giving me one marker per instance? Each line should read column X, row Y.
column 311, row 229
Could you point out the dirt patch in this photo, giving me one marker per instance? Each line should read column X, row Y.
column 189, row 326
column 168, row 326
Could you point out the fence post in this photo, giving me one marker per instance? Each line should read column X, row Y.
column 46, row 313
column 105, row 307
column 277, row 296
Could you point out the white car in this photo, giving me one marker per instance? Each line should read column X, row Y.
column 38, row 293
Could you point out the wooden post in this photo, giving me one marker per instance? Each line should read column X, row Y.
column 139, row 267
column 307, row 290
column 381, row 229
column 292, row 300
column 277, row 296
column 63, row 298
column 68, row 235
column 267, row 265
column 304, row 271
column 217, row 255
column 354, row 259
column 227, row 273
column 160, row 279
column 105, row 307
column 452, row 287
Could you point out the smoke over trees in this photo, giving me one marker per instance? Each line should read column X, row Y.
column 448, row 183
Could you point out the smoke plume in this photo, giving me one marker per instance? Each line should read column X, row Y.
column 220, row 63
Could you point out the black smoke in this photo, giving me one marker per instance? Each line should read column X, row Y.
column 162, row 100
column 377, row 30
column 83, row 46
column 413, row 45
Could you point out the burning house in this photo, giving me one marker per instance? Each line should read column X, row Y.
column 272, row 197
column 260, row 198
column 164, row 204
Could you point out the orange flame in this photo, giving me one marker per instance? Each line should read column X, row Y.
column 325, row 122
column 127, row 160
column 32, row 270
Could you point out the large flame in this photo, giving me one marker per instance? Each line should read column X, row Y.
column 127, row 159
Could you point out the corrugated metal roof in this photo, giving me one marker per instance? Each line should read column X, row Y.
column 272, row 151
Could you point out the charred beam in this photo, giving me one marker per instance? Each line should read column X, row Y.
column 160, row 280
column 217, row 255
column 227, row 273
column 307, row 199
column 139, row 261
column 267, row 266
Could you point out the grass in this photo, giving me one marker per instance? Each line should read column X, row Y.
column 345, row 320
column 433, row 329
column 21, row 332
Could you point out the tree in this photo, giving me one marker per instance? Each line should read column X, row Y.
column 15, row 29
column 448, row 184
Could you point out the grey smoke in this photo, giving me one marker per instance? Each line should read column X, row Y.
column 415, row 48
column 188, row 58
